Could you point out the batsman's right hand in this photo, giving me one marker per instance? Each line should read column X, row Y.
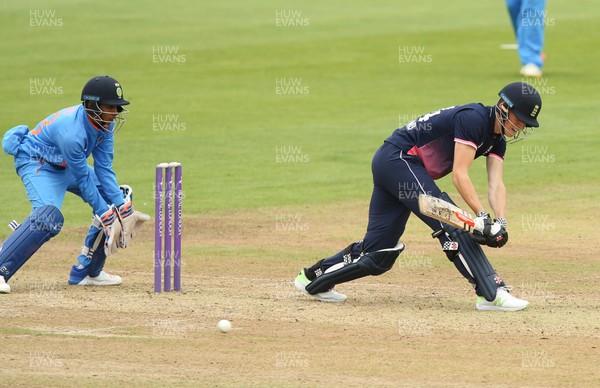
column 494, row 234
column 111, row 227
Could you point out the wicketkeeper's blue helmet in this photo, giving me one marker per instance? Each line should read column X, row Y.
column 104, row 90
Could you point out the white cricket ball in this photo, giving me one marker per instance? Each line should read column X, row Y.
column 224, row 326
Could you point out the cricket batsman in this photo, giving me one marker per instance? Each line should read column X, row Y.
column 407, row 164
column 51, row 159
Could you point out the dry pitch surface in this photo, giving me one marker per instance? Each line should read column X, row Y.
column 414, row 326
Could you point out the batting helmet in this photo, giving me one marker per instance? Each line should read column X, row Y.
column 104, row 90
column 524, row 101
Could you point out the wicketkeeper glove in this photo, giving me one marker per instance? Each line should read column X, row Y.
column 111, row 227
column 127, row 192
column 132, row 222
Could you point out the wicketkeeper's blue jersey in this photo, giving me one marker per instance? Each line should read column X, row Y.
column 65, row 140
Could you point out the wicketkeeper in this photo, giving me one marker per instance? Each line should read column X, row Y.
column 407, row 164
column 51, row 160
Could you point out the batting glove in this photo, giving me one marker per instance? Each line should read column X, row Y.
column 502, row 221
column 493, row 235
column 480, row 220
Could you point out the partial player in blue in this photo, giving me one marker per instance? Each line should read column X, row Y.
column 528, row 18
column 51, row 160
column 406, row 165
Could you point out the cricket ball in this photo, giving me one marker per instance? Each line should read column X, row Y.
column 224, row 326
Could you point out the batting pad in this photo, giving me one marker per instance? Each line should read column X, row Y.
column 373, row 263
column 475, row 261
column 486, row 279
column 42, row 224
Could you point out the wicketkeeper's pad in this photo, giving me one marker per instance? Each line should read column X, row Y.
column 42, row 224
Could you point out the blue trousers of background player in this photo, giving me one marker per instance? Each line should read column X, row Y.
column 528, row 19
column 398, row 179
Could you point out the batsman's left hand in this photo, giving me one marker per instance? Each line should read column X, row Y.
column 494, row 234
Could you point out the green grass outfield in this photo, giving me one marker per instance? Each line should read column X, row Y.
column 202, row 82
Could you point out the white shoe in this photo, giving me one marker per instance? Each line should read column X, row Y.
column 531, row 70
column 504, row 302
column 302, row 281
column 4, row 287
column 103, row 279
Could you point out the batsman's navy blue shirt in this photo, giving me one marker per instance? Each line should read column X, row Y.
column 431, row 137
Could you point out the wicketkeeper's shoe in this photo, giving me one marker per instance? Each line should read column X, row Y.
column 4, row 287
column 80, row 277
column 504, row 302
column 302, row 281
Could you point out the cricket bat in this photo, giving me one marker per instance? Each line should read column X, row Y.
column 446, row 212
